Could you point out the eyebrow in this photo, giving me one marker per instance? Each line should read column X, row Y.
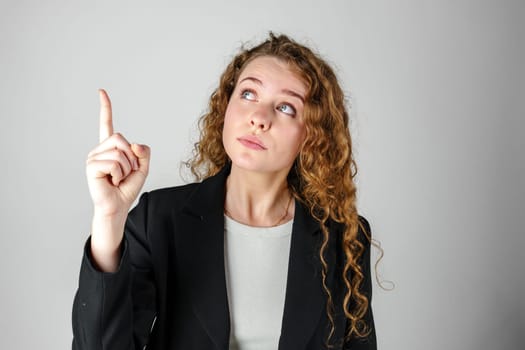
column 286, row 91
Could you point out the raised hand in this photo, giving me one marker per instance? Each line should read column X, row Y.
column 116, row 171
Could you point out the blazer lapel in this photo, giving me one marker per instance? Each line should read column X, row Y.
column 305, row 299
column 202, row 255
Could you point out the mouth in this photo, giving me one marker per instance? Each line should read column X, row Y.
column 252, row 142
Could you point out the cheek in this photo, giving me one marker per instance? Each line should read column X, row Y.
column 228, row 117
column 299, row 135
column 232, row 113
column 295, row 138
column 228, row 128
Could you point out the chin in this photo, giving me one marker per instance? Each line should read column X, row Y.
column 250, row 162
column 249, row 166
column 257, row 167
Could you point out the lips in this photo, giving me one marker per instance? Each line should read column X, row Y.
column 252, row 142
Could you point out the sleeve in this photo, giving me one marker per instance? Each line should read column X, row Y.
column 369, row 342
column 116, row 310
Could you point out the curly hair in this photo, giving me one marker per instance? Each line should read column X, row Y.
column 324, row 184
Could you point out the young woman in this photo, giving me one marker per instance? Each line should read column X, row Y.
column 266, row 252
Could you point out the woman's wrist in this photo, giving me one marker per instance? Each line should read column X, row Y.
column 106, row 237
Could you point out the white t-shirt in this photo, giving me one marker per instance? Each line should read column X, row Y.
column 256, row 260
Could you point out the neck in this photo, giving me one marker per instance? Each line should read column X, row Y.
column 258, row 199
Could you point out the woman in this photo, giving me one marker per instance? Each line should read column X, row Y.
column 267, row 252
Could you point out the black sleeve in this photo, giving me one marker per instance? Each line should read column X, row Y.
column 369, row 342
column 116, row 310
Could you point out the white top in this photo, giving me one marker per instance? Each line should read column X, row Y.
column 256, row 261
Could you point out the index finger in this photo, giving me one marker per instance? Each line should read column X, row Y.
column 106, row 118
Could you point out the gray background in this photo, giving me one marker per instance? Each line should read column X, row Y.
column 437, row 90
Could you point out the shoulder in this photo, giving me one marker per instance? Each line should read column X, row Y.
column 363, row 236
column 168, row 193
column 163, row 200
column 176, row 196
column 364, row 226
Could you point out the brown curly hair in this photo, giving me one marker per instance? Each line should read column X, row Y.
column 324, row 184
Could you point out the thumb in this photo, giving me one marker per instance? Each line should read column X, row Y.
column 143, row 154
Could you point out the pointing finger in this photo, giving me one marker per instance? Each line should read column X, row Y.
column 106, row 118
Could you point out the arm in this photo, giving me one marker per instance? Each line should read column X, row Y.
column 116, row 310
column 115, row 295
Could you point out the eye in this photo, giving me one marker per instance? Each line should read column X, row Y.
column 248, row 95
column 287, row 109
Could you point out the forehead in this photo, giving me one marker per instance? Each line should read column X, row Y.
column 273, row 71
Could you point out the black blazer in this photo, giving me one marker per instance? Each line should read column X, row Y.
column 170, row 291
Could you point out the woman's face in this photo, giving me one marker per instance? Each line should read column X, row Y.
column 263, row 126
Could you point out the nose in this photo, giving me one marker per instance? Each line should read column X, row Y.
column 261, row 118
